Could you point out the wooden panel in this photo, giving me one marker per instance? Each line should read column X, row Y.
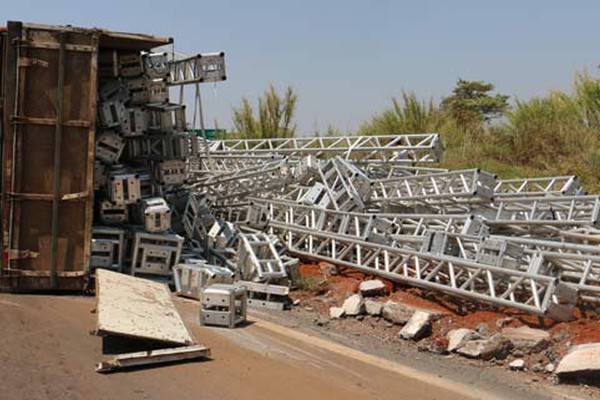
column 29, row 147
column 139, row 308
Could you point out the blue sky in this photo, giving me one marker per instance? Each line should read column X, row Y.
column 346, row 59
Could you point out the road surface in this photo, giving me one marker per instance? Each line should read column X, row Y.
column 47, row 353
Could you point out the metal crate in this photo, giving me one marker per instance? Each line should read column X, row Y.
column 155, row 254
column 191, row 278
column 223, row 305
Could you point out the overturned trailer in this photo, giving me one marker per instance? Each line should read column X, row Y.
column 48, row 79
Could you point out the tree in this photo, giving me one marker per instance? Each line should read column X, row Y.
column 471, row 103
column 407, row 115
column 274, row 118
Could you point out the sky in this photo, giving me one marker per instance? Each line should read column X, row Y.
column 347, row 59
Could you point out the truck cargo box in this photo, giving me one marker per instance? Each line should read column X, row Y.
column 49, row 79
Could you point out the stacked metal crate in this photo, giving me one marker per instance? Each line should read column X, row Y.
column 141, row 156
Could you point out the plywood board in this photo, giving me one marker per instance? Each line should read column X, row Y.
column 139, row 308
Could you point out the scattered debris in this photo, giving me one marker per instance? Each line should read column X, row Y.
column 550, row 368
column 434, row 344
column 397, row 313
column 517, row 365
column 502, row 322
column 328, row 269
column 321, row 320
column 354, row 305
column 336, row 312
column 457, row 338
column 581, row 361
column 496, row 347
column 373, row 287
column 526, row 339
column 537, row 367
column 417, row 326
column 373, row 307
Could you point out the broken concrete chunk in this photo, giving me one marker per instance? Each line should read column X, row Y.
column 550, row 368
column 581, row 361
column 336, row 312
column 496, row 347
column 472, row 349
column 418, row 326
column 517, row 365
column 372, row 287
column 537, row 367
column 327, row 269
column 526, row 339
column 373, row 307
column 502, row 322
column 396, row 312
column 457, row 338
column 354, row 305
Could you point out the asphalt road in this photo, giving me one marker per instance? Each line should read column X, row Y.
column 46, row 352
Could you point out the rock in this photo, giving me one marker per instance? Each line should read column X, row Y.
column 373, row 307
column 550, row 368
column 517, row 365
column 472, row 348
column 482, row 328
column 581, row 361
column 435, row 345
column 502, row 322
column 526, row 339
column 354, row 305
column 336, row 312
column 496, row 347
column 537, row 367
column 559, row 336
column 457, row 338
column 327, row 269
column 372, row 287
column 321, row 320
column 360, row 317
column 518, row 353
column 418, row 326
column 308, row 308
column 296, row 302
column 396, row 312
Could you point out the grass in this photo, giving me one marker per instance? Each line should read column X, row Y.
column 557, row 134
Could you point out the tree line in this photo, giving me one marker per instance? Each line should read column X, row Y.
column 555, row 134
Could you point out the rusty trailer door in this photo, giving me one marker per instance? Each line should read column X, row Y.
column 48, row 124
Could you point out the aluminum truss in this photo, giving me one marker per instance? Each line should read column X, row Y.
column 365, row 225
column 201, row 68
column 533, row 293
column 574, row 264
column 236, row 186
column 541, row 215
column 447, row 192
column 552, row 185
column 377, row 149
